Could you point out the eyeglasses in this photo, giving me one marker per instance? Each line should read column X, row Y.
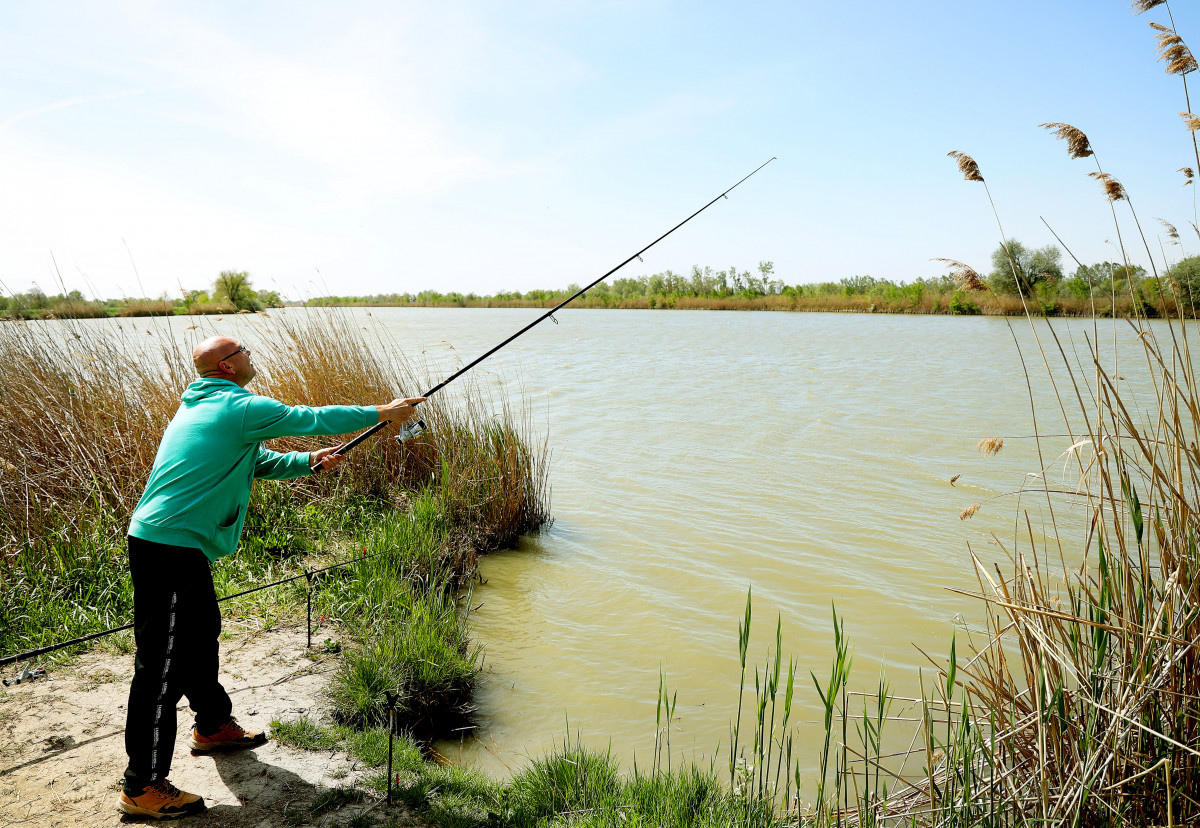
column 242, row 349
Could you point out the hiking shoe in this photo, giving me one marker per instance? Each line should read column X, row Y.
column 231, row 736
column 162, row 800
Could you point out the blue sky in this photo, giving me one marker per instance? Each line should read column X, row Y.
column 366, row 147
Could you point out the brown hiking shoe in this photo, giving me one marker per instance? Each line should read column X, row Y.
column 162, row 800
column 231, row 736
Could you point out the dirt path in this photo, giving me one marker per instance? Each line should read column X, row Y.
column 62, row 749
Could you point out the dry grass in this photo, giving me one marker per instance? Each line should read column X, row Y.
column 966, row 166
column 990, row 445
column 965, row 276
column 147, row 307
column 1078, row 145
column 1084, row 702
column 1081, row 703
column 1173, row 51
column 1113, row 190
column 82, row 409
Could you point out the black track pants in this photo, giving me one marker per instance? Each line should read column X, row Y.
column 176, row 622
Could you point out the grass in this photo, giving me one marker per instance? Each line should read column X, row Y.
column 82, row 437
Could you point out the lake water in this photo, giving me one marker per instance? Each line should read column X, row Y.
column 700, row 455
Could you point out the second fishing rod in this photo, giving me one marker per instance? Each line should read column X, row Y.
column 412, row 428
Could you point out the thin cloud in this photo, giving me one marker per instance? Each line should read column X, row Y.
column 41, row 110
column 352, row 108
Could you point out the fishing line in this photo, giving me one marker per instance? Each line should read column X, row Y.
column 414, row 427
column 307, row 574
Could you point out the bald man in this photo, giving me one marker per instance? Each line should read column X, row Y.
column 191, row 514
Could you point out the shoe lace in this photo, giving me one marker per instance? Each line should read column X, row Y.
column 165, row 787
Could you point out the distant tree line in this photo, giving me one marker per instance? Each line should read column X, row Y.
column 231, row 292
column 1020, row 278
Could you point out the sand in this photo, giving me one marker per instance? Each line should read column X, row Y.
column 62, row 749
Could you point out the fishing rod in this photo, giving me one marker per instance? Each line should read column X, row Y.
column 412, row 428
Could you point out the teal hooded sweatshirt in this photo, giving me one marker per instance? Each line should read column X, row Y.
column 211, row 452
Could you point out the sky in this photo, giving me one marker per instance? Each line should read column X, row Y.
column 377, row 147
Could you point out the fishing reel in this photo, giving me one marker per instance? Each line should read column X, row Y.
column 411, row 429
column 26, row 675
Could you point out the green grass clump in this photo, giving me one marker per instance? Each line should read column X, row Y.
column 575, row 785
column 575, row 778
column 398, row 605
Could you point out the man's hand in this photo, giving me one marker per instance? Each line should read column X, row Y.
column 324, row 459
column 398, row 411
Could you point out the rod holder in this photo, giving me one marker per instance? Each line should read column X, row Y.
column 391, row 703
column 308, row 605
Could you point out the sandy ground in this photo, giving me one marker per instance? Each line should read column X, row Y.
column 62, row 749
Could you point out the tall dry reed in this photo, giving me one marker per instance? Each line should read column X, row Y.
column 83, row 406
column 1082, row 704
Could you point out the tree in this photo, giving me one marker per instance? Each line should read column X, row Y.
column 1019, row 269
column 234, row 286
column 1105, row 278
column 1183, row 280
column 270, row 299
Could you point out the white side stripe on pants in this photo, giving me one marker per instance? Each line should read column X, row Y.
column 163, row 689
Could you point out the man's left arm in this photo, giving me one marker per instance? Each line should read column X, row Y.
column 281, row 465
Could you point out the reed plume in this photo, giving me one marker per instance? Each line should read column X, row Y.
column 1140, row 6
column 1173, row 51
column 1190, row 121
column 969, row 512
column 1078, row 145
column 1172, row 233
column 990, row 445
column 966, row 165
column 965, row 276
column 1113, row 190
column 1188, row 173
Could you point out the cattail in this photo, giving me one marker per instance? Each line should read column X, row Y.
column 966, row 165
column 1140, row 6
column 1077, row 143
column 1188, row 173
column 990, row 445
column 1112, row 188
column 1173, row 51
column 968, row 512
column 965, row 276
column 1172, row 233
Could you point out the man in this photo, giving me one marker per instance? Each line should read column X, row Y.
column 192, row 513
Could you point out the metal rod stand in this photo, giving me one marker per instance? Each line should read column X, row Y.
column 391, row 703
column 308, row 612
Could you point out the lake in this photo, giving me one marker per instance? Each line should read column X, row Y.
column 698, row 456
